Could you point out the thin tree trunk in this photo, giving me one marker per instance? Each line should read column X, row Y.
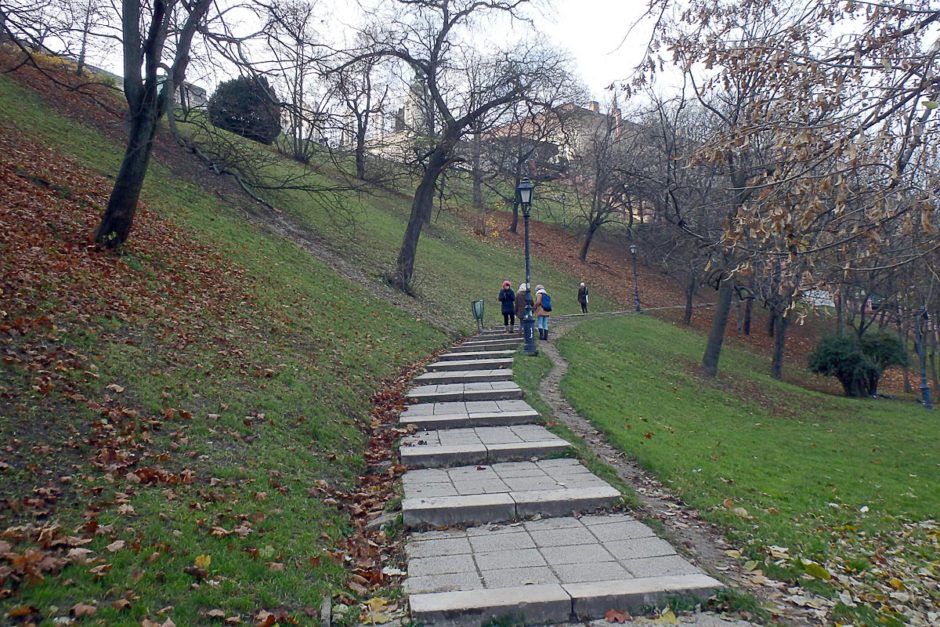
column 771, row 324
column 719, row 323
column 840, row 314
column 739, row 315
column 902, row 336
column 514, row 225
column 361, row 154
column 780, row 340
column 119, row 216
column 933, row 358
column 748, row 315
column 592, row 229
column 690, row 290
column 421, row 208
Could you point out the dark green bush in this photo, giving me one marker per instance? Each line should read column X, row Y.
column 858, row 364
column 247, row 106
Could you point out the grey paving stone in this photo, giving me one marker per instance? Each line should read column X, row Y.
column 593, row 600
column 463, row 376
column 552, row 523
column 443, row 456
column 490, row 543
column 563, row 502
column 441, row 565
column 443, row 583
column 475, row 355
column 510, row 577
column 577, row 554
column 469, row 364
column 639, row 548
column 454, row 510
column 521, row 484
column 438, row 547
column 598, row 571
column 622, row 530
column 562, row 537
column 493, row 529
column 495, row 486
column 533, row 605
column 660, row 566
column 473, row 407
column 435, row 490
column 510, row 558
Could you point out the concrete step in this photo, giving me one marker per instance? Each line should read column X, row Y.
column 469, row 355
column 469, row 495
column 495, row 391
column 553, row 570
column 464, row 376
column 476, row 347
column 483, row 445
column 466, row 415
column 470, row 364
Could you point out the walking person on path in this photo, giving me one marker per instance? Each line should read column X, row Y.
column 507, row 299
column 583, row 297
column 543, row 307
column 521, row 295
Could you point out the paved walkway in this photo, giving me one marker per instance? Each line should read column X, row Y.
column 501, row 525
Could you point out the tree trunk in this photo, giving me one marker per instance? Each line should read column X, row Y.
column 933, row 358
column 119, row 216
column 739, row 315
column 361, row 154
column 690, row 290
column 780, row 341
column 749, row 309
column 840, row 314
column 477, row 173
column 514, row 225
column 719, row 323
column 592, row 229
column 421, row 208
column 771, row 322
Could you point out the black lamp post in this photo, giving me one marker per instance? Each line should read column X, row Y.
column 636, row 286
column 923, row 319
column 524, row 196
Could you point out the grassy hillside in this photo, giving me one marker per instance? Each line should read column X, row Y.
column 808, row 485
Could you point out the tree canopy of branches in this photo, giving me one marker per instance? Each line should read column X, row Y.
column 825, row 127
column 247, row 106
column 427, row 36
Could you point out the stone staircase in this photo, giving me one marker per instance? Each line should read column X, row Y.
column 501, row 524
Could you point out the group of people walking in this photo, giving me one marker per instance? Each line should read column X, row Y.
column 512, row 306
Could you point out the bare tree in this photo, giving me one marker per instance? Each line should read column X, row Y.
column 147, row 93
column 363, row 100
column 426, row 35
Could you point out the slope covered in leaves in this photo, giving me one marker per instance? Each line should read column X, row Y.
column 178, row 422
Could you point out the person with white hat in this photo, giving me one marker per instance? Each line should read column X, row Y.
column 521, row 295
column 583, row 297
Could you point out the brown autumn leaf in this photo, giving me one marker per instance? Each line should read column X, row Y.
column 616, row 616
column 115, row 546
column 83, row 610
column 219, row 614
column 121, row 604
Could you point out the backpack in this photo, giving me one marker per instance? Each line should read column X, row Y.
column 546, row 301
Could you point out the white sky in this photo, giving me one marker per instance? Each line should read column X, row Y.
column 594, row 31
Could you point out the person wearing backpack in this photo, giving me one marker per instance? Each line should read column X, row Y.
column 543, row 307
column 507, row 300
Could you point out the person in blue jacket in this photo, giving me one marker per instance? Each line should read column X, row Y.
column 507, row 301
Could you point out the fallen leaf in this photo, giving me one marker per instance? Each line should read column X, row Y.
column 82, row 610
column 115, row 546
column 203, row 561
column 616, row 616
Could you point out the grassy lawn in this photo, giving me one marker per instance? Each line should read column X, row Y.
column 223, row 365
column 825, row 491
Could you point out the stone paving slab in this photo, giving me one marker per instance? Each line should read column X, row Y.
column 464, row 376
column 456, row 447
column 600, row 562
column 465, row 415
column 486, row 345
column 471, row 355
column 494, row 391
column 470, row 364
column 501, row 492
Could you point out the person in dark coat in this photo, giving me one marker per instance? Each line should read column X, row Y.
column 520, row 304
column 583, row 297
column 507, row 300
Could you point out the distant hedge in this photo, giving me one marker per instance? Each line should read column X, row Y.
column 858, row 363
column 248, row 107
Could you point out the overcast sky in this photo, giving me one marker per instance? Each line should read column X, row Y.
column 594, row 31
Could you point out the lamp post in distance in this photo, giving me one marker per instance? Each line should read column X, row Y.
column 636, row 286
column 524, row 196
